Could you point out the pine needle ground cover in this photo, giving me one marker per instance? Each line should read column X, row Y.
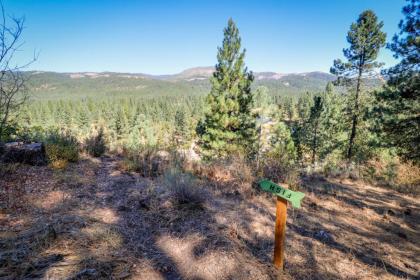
column 93, row 220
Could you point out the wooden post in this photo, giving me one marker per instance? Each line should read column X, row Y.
column 283, row 196
column 280, row 232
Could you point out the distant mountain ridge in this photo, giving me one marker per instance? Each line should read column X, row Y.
column 195, row 73
column 193, row 81
column 206, row 72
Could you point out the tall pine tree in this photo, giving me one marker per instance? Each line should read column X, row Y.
column 313, row 126
column 399, row 103
column 366, row 39
column 228, row 124
column 332, row 124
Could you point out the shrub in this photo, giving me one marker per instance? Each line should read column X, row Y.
column 59, row 164
column 96, row 145
column 332, row 164
column 408, row 178
column 61, row 148
column 389, row 171
column 234, row 174
column 281, row 171
column 149, row 161
column 184, row 189
column 9, row 132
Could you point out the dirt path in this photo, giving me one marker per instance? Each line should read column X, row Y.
column 93, row 221
column 167, row 242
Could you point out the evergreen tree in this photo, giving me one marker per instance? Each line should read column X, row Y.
column 282, row 144
column 297, row 134
column 290, row 108
column 120, row 124
column 137, row 137
column 332, row 124
column 399, row 103
column 262, row 99
column 228, row 124
column 67, row 118
column 366, row 39
column 26, row 116
column 299, row 125
column 181, row 128
column 329, row 88
column 83, row 118
column 313, row 127
column 304, row 105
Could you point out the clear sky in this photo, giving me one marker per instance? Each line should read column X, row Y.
column 165, row 37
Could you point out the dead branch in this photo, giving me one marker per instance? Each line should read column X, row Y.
column 13, row 92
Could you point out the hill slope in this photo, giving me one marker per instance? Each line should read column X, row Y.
column 194, row 81
column 93, row 221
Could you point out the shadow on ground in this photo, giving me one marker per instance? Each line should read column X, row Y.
column 94, row 222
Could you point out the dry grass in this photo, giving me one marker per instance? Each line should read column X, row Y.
column 370, row 231
column 94, row 221
column 185, row 189
column 281, row 172
column 232, row 176
column 59, row 164
column 383, row 171
column 148, row 162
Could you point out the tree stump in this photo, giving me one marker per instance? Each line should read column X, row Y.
column 29, row 153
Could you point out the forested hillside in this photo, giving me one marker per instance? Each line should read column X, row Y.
column 107, row 175
column 50, row 85
column 143, row 107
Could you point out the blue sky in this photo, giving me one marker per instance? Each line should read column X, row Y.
column 165, row 37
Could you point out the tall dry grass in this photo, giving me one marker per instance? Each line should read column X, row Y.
column 401, row 176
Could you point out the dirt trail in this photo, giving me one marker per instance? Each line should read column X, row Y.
column 93, row 221
column 168, row 242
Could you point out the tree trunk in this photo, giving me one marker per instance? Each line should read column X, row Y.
column 314, row 144
column 355, row 117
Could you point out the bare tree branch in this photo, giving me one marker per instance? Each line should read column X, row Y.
column 12, row 80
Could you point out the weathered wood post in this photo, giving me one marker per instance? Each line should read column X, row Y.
column 283, row 196
column 280, row 232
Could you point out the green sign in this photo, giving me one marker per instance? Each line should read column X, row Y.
column 291, row 196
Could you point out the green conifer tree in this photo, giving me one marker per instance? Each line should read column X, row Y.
column 398, row 105
column 304, row 105
column 180, row 128
column 262, row 99
column 282, row 145
column 120, row 124
column 228, row 124
column 290, row 109
column 366, row 39
column 331, row 122
column 314, row 126
column 83, row 118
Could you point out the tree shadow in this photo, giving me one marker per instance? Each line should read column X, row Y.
column 119, row 224
column 383, row 203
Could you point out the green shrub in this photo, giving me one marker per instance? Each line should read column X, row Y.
column 9, row 132
column 331, row 166
column 96, row 145
column 61, row 148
